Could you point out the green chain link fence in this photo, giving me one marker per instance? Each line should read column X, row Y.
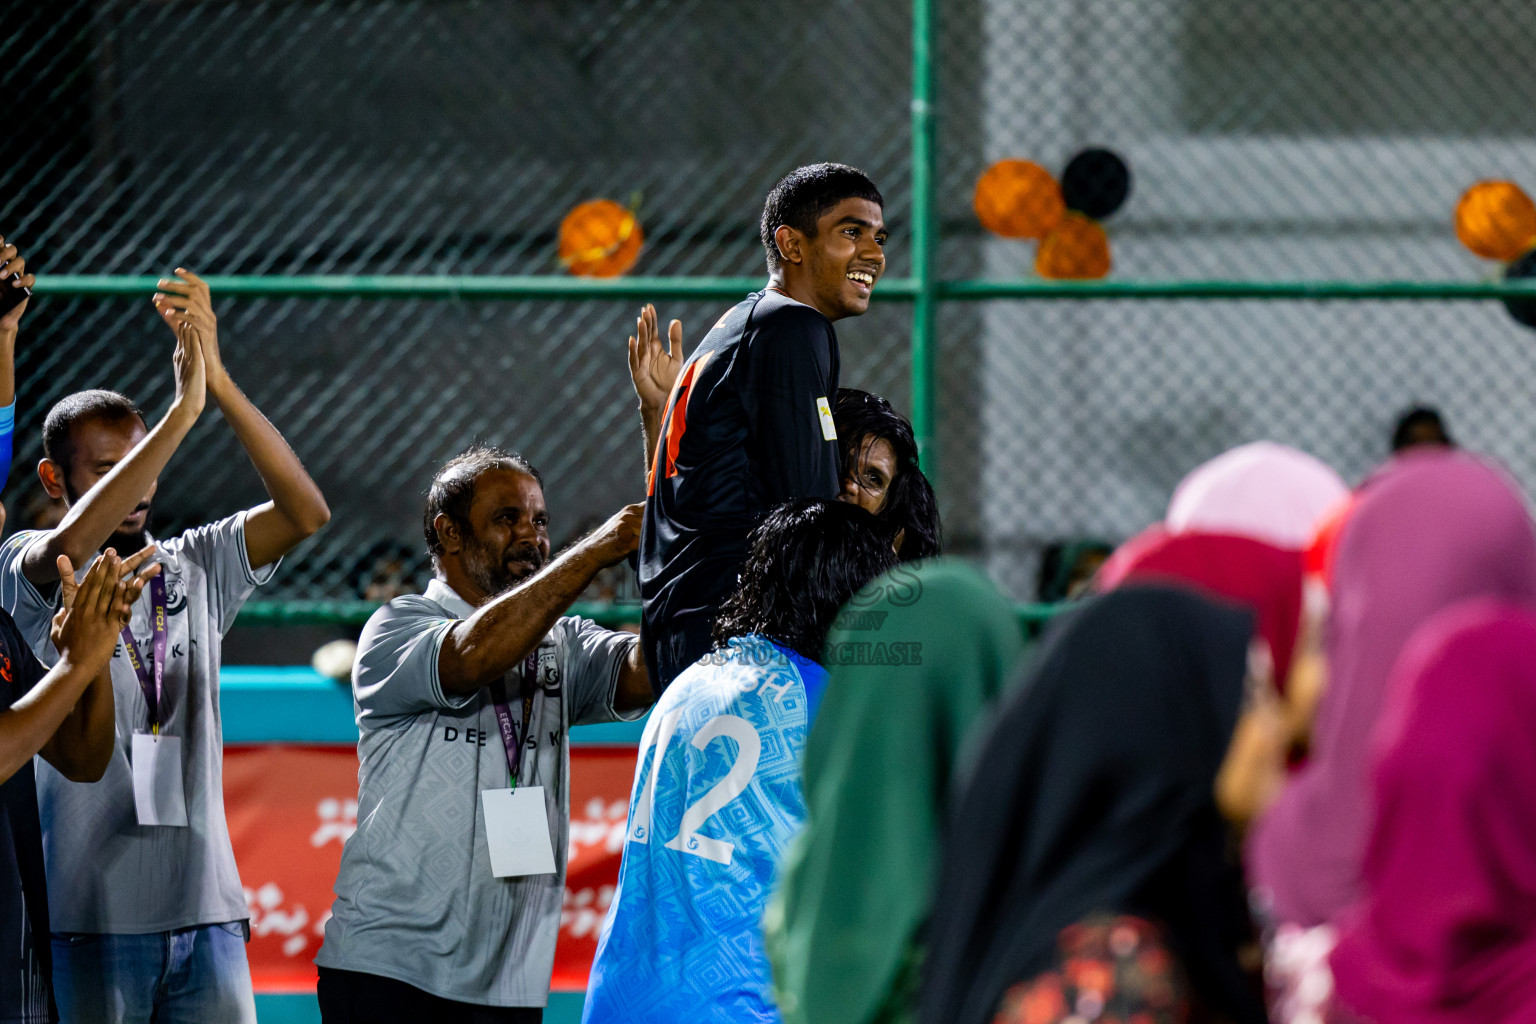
column 1316, row 140
column 382, row 182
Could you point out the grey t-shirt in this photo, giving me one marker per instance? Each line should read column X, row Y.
column 415, row 897
column 106, row 872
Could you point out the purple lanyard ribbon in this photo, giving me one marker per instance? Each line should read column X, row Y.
column 511, row 739
column 152, row 685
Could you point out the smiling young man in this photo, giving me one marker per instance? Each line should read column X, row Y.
column 748, row 424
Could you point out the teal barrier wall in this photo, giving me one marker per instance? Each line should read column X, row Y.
column 295, row 704
column 564, row 1008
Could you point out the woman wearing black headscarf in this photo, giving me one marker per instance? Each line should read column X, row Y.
column 1094, row 795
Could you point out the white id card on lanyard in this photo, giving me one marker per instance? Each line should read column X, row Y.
column 158, row 792
column 516, row 824
column 159, row 795
column 517, row 831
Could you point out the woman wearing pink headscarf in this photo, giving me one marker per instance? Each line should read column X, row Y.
column 1236, row 528
column 1431, row 530
column 1265, row 491
column 1447, row 931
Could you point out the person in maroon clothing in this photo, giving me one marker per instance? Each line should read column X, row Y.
column 748, row 422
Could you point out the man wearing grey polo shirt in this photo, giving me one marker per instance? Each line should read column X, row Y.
column 148, row 915
column 449, row 895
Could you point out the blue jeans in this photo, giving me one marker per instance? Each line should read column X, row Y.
column 188, row 976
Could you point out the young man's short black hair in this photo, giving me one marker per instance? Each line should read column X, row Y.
column 1420, row 425
column 453, row 489
column 803, row 195
column 910, row 504
column 807, row 558
column 98, row 403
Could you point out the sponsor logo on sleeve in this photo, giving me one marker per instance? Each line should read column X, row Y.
column 828, row 428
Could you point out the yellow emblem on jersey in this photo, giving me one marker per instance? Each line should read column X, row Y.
column 828, row 428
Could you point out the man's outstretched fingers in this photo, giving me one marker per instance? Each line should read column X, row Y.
column 88, row 590
column 103, row 576
column 67, row 585
column 138, row 558
column 136, row 583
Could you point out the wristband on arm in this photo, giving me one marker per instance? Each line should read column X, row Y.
column 7, row 428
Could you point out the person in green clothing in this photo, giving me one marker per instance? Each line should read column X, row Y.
column 917, row 659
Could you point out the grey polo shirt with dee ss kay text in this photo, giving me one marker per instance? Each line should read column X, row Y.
column 415, row 899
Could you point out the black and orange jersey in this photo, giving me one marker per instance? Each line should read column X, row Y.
column 748, row 426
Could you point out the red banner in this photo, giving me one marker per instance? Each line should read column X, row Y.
column 291, row 808
column 601, row 778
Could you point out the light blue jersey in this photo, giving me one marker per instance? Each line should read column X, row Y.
column 715, row 802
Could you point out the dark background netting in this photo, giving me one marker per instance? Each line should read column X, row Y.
column 1311, row 140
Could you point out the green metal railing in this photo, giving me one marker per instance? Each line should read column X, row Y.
column 355, row 613
column 901, row 289
column 925, row 314
column 619, row 613
column 463, row 286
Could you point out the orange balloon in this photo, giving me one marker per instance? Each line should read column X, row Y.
column 1018, row 199
column 600, row 238
column 1076, row 250
column 1496, row 220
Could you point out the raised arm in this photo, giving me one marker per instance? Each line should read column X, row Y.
column 634, row 690
column 11, row 264
column 97, row 514
column 789, row 412
column 653, row 370
column 489, row 643
column 297, row 509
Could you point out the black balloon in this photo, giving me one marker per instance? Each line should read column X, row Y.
column 1096, row 183
column 1523, row 310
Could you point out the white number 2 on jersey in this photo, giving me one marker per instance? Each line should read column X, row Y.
column 640, row 827
column 749, row 748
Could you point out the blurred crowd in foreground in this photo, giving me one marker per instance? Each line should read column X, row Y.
column 1276, row 764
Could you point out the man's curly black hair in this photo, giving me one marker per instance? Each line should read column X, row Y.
column 910, row 504
column 806, row 559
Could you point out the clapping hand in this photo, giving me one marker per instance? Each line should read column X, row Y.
column 186, row 304
column 95, row 610
column 12, row 263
